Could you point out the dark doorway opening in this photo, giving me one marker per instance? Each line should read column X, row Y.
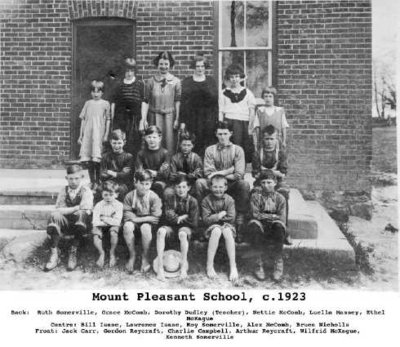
column 99, row 49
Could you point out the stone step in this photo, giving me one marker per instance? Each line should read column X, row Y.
column 28, row 198
column 330, row 240
column 302, row 224
column 25, row 216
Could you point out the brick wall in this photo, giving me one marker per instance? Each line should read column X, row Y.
column 324, row 79
column 323, row 73
column 36, row 58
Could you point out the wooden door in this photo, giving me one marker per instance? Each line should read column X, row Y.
column 99, row 49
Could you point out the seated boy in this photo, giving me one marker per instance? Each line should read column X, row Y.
column 155, row 159
column 117, row 165
column 271, row 156
column 181, row 220
column 218, row 211
column 142, row 211
column 268, row 210
column 107, row 216
column 71, row 217
column 227, row 159
column 185, row 162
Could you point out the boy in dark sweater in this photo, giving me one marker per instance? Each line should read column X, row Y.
column 155, row 159
column 117, row 165
column 181, row 220
column 268, row 210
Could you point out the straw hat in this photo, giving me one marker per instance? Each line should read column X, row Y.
column 172, row 263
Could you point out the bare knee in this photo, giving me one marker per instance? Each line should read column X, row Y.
column 161, row 233
column 128, row 229
column 145, row 230
column 216, row 233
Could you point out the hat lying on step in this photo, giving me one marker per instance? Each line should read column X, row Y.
column 172, row 263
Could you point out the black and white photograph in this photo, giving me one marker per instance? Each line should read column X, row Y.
column 183, row 158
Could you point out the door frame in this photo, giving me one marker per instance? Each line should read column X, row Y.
column 102, row 22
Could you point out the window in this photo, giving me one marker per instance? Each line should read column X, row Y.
column 245, row 38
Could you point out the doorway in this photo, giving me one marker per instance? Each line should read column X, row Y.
column 99, row 49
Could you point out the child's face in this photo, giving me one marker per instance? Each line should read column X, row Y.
column 270, row 141
column 97, row 94
column 129, row 73
column 108, row 196
column 224, row 136
column 153, row 141
column 143, row 187
column 74, row 180
column 186, row 146
column 218, row 188
column 182, row 189
column 200, row 69
column 117, row 145
column 269, row 99
column 235, row 80
column 163, row 66
column 268, row 185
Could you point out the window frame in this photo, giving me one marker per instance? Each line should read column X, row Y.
column 271, row 49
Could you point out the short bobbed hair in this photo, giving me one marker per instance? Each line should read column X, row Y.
column 198, row 58
column 164, row 55
column 270, row 90
column 234, row 69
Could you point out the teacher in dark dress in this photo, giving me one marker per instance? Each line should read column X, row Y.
column 199, row 104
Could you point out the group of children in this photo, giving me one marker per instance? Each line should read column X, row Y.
column 173, row 198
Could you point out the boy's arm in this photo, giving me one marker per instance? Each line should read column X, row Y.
column 255, row 208
column 116, row 218
column 240, row 164
column 209, row 163
column 193, row 219
column 230, row 216
column 127, row 207
column 87, row 200
column 256, row 164
column 163, row 172
column 281, row 208
column 139, row 162
column 208, row 216
column 96, row 216
column 198, row 167
column 170, row 215
column 127, row 168
column 173, row 170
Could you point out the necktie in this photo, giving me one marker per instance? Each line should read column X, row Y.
column 185, row 165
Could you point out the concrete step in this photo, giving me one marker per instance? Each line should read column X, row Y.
column 28, row 198
column 31, row 187
column 25, row 216
column 302, row 224
column 330, row 240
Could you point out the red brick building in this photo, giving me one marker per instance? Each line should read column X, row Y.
column 317, row 53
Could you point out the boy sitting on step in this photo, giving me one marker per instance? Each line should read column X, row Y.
column 268, row 226
column 219, row 213
column 71, row 217
column 107, row 216
column 181, row 221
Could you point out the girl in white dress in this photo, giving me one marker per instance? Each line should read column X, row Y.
column 95, row 125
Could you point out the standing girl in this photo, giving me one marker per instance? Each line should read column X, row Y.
column 128, row 104
column 269, row 114
column 95, row 124
column 236, row 106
